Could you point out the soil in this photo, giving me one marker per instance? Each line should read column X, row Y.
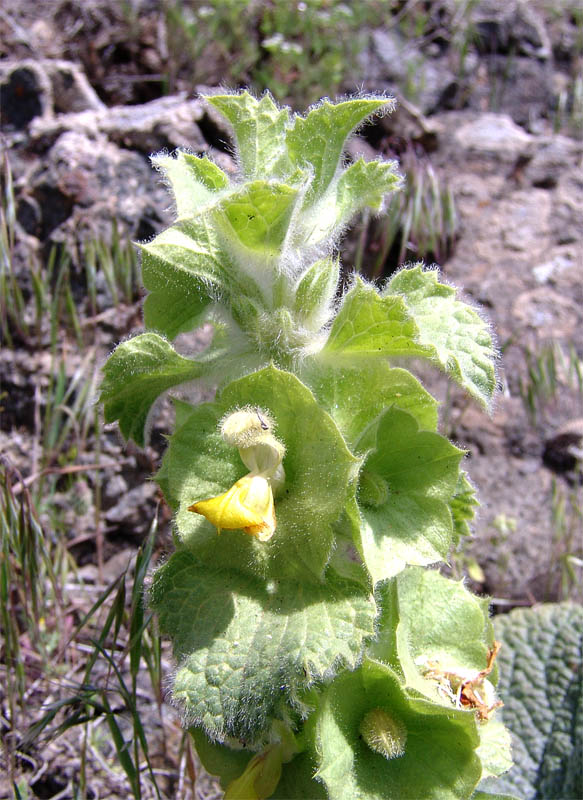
column 82, row 111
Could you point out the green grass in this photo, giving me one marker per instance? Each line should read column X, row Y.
column 550, row 370
column 421, row 222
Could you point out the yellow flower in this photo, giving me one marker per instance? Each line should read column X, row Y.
column 247, row 505
column 260, row 778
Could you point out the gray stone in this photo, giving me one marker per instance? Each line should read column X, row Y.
column 553, row 156
column 85, row 182
column 393, row 63
column 167, row 123
column 132, row 508
column 494, row 135
column 72, row 92
column 518, row 86
column 514, row 26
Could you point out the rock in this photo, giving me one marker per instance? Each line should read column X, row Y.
column 167, row 123
column 549, row 271
column 563, row 452
column 395, row 64
column 134, row 510
column 84, row 183
column 407, row 122
column 25, row 94
column 568, row 206
column 495, row 135
column 72, row 92
column 114, row 488
column 520, row 87
column 40, row 89
column 513, row 27
column 554, row 316
column 552, row 157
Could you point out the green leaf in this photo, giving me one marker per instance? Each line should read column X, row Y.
column 136, row 374
column 194, row 181
column 427, row 618
column 217, row 759
column 368, row 324
column 463, row 506
column 317, row 140
column 184, row 270
column 357, row 397
column 316, row 291
column 364, row 185
column 541, row 683
column 439, row 760
column 297, row 781
column 494, row 749
column 259, row 215
column 458, row 338
column 259, row 127
column 410, row 522
column 246, row 649
column 318, row 468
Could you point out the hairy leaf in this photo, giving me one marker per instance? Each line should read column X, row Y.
column 541, row 682
column 370, row 325
column 259, row 127
column 245, row 649
column 405, row 488
column 136, row 374
column 427, row 619
column 194, row 181
column 317, row 140
column 439, row 759
column 318, row 471
column 458, row 338
column 184, row 270
column 345, row 392
column 258, row 215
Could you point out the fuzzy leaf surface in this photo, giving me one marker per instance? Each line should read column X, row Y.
column 457, row 337
column 359, row 186
column 259, row 127
column 439, row 762
column 318, row 467
column 364, row 184
column 296, row 783
column 246, row 649
column 183, row 270
column 315, row 292
column 370, row 325
column 317, row 140
column 425, row 618
column 463, row 506
column 194, row 181
column 541, row 682
column 136, row 374
column 259, row 214
column 358, row 396
column 410, row 522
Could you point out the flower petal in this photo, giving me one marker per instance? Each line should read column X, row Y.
column 247, row 505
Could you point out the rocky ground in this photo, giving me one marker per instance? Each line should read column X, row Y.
column 498, row 122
